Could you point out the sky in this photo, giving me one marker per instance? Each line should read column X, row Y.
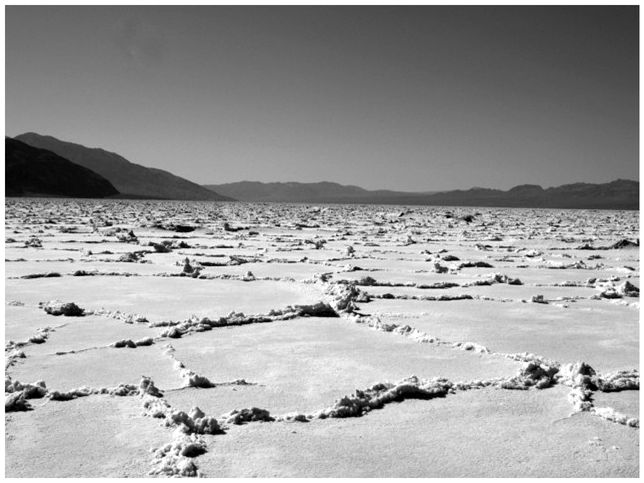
column 406, row 98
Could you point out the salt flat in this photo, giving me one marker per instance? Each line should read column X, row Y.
column 319, row 341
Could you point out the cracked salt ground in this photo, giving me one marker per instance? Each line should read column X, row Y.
column 486, row 433
column 98, row 436
column 586, row 331
column 88, row 333
column 291, row 376
column 303, row 365
column 162, row 299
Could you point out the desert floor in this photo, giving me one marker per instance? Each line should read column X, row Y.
column 270, row 340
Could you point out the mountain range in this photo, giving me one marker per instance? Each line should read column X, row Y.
column 619, row 194
column 130, row 179
column 294, row 192
column 46, row 166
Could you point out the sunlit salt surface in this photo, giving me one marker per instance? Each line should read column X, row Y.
column 319, row 341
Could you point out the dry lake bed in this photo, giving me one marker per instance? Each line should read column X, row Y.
column 275, row 340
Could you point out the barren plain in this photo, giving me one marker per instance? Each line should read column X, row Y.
column 275, row 340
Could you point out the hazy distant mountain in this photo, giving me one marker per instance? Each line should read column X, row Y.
column 292, row 192
column 618, row 194
column 31, row 171
column 131, row 180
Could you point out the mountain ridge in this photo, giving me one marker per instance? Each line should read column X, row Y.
column 294, row 191
column 129, row 178
column 616, row 194
column 31, row 171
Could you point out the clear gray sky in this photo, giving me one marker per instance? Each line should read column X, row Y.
column 409, row 98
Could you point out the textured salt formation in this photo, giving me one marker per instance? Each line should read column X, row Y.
column 437, row 285
column 124, row 343
column 128, row 237
column 437, row 298
column 41, row 336
column 191, row 378
column 30, row 391
column 178, row 329
column 611, row 415
column 242, row 416
column 345, row 297
column 12, row 356
column 579, row 265
column 619, row 381
column 12, row 349
column 494, row 278
column 195, row 422
column 19, row 391
column 39, row 275
column 144, row 342
column 132, row 257
column 117, row 314
column 68, row 309
column 175, row 458
column 534, row 374
column 16, row 394
column 471, row 346
column 626, row 289
column 33, row 242
column 478, row 264
column 16, row 402
column 378, row 395
column 190, row 270
column 164, row 247
column 621, row 244
column 438, row 268
column 584, row 380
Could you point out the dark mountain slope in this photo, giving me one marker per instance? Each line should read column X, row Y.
column 30, row 171
column 130, row 179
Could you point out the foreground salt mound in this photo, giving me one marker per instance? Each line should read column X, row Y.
column 242, row 416
column 195, row 422
column 378, row 395
column 175, row 458
column 16, row 402
column 534, row 374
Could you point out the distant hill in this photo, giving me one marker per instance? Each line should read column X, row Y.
column 619, row 194
column 131, row 180
column 31, row 171
column 293, row 192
